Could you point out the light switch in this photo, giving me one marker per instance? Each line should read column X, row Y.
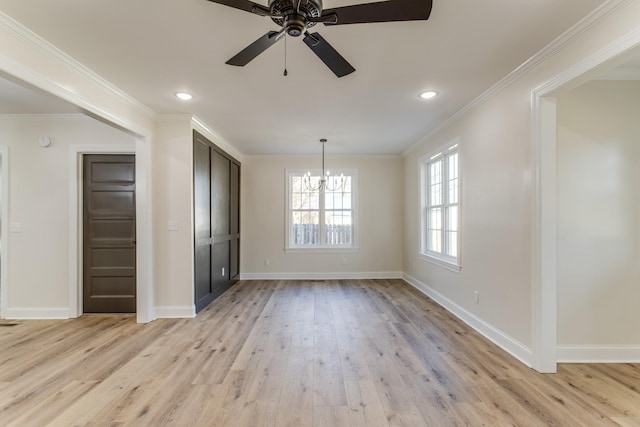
column 16, row 227
column 172, row 225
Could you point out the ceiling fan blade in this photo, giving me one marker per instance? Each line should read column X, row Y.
column 246, row 5
column 384, row 11
column 330, row 18
column 247, row 54
column 328, row 54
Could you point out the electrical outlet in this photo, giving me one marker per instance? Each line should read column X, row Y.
column 172, row 225
column 343, row 261
column 476, row 297
column 16, row 227
column 267, row 261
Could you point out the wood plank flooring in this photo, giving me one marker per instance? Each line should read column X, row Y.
column 295, row 353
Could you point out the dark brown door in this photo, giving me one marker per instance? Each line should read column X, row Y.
column 202, row 202
column 109, row 246
column 217, row 225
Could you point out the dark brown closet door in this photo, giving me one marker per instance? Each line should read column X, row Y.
column 202, row 204
column 234, row 223
column 220, row 210
column 109, row 233
column 216, row 209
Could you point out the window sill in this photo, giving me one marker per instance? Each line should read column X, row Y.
column 321, row 250
column 449, row 265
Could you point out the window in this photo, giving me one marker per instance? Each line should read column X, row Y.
column 321, row 219
column 440, row 186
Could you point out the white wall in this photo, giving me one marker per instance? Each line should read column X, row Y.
column 25, row 56
column 495, row 220
column 497, row 205
column 599, row 214
column 38, row 256
column 172, row 177
column 380, row 205
column 172, row 200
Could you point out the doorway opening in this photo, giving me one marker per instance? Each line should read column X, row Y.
column 544, row 164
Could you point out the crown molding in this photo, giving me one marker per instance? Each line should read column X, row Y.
column 43, row 117
column 170, row 118
column 551, row 49
column 202, row 127
column 24, row 34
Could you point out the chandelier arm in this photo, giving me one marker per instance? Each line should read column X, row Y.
column 323, row 178
column 337, row 187
column 307, row 184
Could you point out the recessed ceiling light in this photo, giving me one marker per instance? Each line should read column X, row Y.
column 184, row 96
column 428, row 94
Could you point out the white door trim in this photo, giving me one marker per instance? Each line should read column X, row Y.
column 544, row 226
column 144, row 289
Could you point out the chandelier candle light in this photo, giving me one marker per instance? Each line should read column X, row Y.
column 323, row 183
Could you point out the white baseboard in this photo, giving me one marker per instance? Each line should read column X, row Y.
column 177, row 311
column 322, row 275
column 502, row 340
column 598, row 354
column 25, row 313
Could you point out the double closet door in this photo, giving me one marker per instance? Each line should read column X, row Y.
column 217, row 220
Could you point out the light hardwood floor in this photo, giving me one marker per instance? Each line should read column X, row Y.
column 295, row 353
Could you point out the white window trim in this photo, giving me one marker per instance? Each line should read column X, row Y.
column 441, row 259
column 354, row 247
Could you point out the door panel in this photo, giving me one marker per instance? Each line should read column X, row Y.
column 234, row 217
column 109, row 230
column 220, row 261
column 203, row 285
column 234, row 258
column 113, row 172
column 113, row 201
column 219, row 194
column 202, row 190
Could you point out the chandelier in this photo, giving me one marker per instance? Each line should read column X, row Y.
column 325, row 178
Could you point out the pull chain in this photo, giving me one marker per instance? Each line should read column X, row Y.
column 285, row 55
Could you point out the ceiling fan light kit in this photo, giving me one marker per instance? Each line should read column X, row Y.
column 295, row 17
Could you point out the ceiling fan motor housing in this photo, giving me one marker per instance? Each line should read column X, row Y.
column 295, row 22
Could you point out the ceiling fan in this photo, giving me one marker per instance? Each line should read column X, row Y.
column 297, row 16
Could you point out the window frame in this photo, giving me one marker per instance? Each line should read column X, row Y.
column 441, row 258
column 321, row 247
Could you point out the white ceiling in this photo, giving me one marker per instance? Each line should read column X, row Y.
column 17, row 99
column 153, row 48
